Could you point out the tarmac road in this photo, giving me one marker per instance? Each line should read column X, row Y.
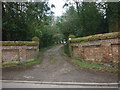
column 37, row 84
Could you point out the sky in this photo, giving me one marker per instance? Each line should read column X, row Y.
column 59, row 4
column 58, row 10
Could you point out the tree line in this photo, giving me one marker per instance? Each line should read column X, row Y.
column 89, row 18
column 22, row 21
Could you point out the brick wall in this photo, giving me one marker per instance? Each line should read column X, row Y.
column 19, row 52
column 104, row 51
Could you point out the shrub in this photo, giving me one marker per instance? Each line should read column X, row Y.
column 66, row 49
column 35, row 39
column 71, row 36
column 31, row 43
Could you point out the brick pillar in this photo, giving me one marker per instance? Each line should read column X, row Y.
column 22, row 53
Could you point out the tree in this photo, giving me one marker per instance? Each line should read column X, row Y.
column 83, row 19
column 113, row 16
column 22, row 21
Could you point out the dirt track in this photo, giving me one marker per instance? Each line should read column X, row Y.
column 56, row 68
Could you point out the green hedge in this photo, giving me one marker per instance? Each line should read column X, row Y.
column 19, row 43
column 96, row 37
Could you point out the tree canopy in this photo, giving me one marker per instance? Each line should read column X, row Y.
column 89, row 18
column 22, row 21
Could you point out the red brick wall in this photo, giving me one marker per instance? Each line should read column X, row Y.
column 31, row 53
column 100, row 51
column 115, row 53
column 19, row 53
column 92, row 53
column 8, row 53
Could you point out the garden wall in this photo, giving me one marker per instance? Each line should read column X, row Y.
column 19, row 50
column 100, row 48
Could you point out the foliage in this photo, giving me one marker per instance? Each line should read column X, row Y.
column 89, row 18
column 71, row 36
column 84, row 20
column 113, row 17
column 22, row 21
column 31, row 62
column 66, row 49
column 35, row 39
column 50, row 36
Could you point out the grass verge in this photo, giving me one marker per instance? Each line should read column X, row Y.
column 92, row 66
column 31, row 62
column 6, row 64
column 18, row 64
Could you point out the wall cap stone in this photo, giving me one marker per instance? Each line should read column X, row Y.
column 19, row 43
column 96, row 37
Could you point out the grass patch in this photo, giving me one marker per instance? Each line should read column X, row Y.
column 89, row 65
column 6, row 64
column 64, row 54
column 31, row 62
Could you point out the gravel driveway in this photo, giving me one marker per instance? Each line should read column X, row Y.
column 56, row 68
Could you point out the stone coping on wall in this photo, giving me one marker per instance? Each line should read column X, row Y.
column 17, row 47
column 19, row 43
column 114, row 41
column 96, row 37
column 84, row 45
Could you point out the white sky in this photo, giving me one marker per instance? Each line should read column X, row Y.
column 58, row 10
